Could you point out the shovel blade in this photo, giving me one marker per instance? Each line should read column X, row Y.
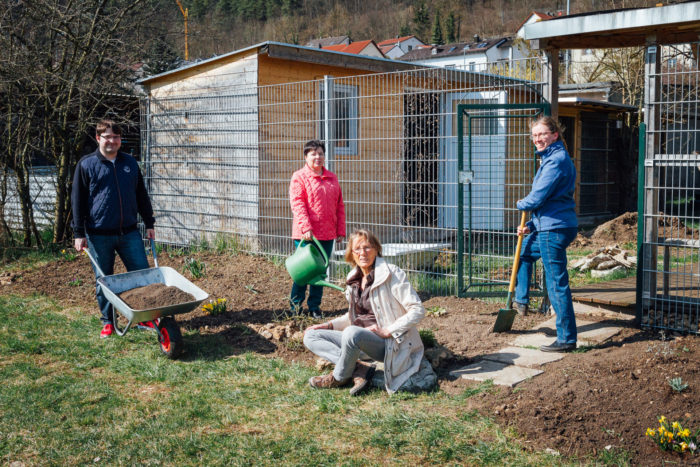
column 504, row 320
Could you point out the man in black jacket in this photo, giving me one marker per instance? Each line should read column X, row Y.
column 108, row 193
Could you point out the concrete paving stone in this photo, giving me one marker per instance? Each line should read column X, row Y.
column 523, row 357
column 608, row 311
column 596, row 333
column 533, row 340
column 501, row 373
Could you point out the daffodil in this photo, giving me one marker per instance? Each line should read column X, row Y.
column 685, row 433
column 662, row 420
column 651, row 432
column 675, row 425
column 684, row 446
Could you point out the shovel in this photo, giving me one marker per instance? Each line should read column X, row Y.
column 506, row 315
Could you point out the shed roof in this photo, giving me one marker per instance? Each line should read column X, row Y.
column 671, row 24
column 293, row 52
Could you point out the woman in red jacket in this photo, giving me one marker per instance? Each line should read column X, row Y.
column 318, row 211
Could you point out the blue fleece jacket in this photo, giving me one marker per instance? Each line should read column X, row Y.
column 107, row 196
column 551, row 200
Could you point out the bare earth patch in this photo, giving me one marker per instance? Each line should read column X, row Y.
column 606, row 396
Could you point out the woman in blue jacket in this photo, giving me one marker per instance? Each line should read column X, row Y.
column 551, row 229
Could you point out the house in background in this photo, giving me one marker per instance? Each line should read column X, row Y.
column 471, row 56
column 398, row 47
column 368, row 48
column 534, row 17
column 325, row 41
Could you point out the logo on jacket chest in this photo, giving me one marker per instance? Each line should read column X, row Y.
column 127, row 169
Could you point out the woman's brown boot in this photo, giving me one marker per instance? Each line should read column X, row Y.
column 326, row 382
column 361, row 378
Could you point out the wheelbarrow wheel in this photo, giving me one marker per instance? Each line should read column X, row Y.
column 170, row 337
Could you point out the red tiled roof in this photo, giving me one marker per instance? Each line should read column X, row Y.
column 393, row 41
column 352, row 48
column 541, row 16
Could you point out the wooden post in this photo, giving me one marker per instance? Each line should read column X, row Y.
column 551, row 90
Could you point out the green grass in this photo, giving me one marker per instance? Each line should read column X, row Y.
column 69, row 398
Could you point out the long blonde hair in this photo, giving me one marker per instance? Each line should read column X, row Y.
column 552, row 125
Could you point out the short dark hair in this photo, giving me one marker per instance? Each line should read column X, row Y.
column 105, row 124
column 313, row 145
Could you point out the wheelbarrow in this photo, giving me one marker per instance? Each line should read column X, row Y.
column 160, row 317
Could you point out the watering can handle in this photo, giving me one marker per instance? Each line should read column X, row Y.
column 318, row 244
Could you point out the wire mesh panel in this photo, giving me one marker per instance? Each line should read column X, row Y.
column 670, row 274
column 390, row 137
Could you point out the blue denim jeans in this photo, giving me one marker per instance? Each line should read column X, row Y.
column 296, row 299
column 344, row 348
column 132, row 253
column 550, row 246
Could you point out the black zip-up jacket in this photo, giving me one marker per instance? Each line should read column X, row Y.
column 107, row 196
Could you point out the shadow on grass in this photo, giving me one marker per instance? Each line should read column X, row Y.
column 233, row 341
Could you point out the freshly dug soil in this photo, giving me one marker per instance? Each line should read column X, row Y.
column 153, row 296
column 580, row 405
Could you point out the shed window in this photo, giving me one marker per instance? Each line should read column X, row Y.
column 344, row 119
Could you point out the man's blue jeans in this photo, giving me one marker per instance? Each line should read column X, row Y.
column 298, row 294
column 550, row 246
column 131, row 251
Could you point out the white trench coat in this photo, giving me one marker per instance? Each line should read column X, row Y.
column 399, row 310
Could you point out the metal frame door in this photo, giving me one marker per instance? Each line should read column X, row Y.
column 497, row 241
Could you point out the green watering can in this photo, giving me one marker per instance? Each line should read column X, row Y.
column 308, row 265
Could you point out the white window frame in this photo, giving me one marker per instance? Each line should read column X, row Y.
column 343, row 93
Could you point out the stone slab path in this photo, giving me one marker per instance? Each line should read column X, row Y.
column 523, row 359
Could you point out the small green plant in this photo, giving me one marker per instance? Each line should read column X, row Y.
column 294, row 345
column 215, row 307
column 68, row 255
column 75, row 282
column 195, row 267
column 674, row 437
column 436, row 311
column 677, row 384
column 428, row 337
column 227, row 243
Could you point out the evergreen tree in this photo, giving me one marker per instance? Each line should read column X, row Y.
column 405, row 30
column 437, row 37
column 421, row 19
column 450, row 29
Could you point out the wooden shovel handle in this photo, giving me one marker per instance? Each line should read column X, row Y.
column 516, row 258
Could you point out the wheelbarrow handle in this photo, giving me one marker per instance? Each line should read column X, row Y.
column 153, row 251
column 94, row 263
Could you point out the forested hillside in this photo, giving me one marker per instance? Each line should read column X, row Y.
column 220, row 26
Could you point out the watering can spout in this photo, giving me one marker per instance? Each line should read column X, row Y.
column 327, row 284
column 308, row 265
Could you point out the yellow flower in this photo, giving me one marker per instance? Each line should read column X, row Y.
column 63, row 251
column 684, row 446
column 685, row 433
column 662, row 420
column 669, row 435
column 661, row 430
column 650, row 432
column 675, row 425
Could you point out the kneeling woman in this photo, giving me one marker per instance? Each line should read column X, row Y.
column 381, row 323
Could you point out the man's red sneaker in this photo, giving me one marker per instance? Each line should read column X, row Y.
column 107, row 330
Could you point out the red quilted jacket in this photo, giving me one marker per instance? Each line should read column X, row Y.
column 317, row 204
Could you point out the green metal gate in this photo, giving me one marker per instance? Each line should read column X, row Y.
column 495, row 171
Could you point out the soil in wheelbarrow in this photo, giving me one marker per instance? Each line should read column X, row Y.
column 154, row 296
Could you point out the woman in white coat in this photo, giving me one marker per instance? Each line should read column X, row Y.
column 380, row 323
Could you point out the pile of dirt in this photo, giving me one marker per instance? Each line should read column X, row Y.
column 621, row 230
column 154, row 296
column 607, row 396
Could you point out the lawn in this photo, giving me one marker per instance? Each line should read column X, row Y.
column 70, row 398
